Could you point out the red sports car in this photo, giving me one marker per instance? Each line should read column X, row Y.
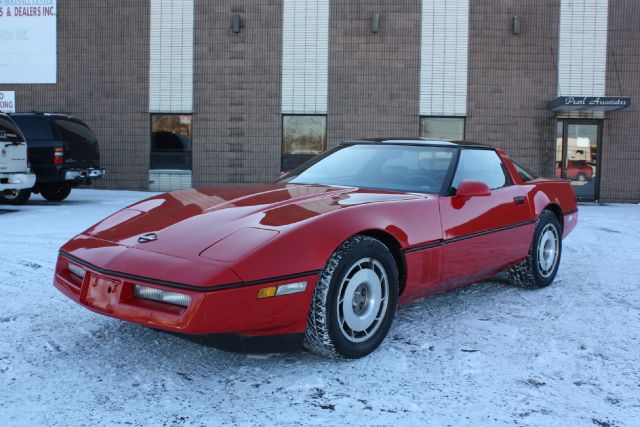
column 324, row 255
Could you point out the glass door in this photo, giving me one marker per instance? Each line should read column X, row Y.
column 577, row 151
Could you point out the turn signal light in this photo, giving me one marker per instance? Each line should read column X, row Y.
column 276, row 291
column 267, row 292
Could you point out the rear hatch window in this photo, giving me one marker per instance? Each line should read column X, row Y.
column 74, row 131
column 80, row 144
column 9, row 131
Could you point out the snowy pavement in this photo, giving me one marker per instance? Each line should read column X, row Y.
column 488, row 354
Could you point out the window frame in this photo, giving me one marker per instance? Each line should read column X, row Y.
column 464, row 126
column 289, row 162
column 324, row 139
column 177, row 153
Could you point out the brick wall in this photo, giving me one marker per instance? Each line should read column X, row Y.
column 373, row 84
column 103, row 56
column 620, row 181
column 237, row 120
column 512, row 77
column 373, row 78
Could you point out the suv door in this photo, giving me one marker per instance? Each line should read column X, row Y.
column 483, row 234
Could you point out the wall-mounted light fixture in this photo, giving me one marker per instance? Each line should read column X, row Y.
column 375, row 23
column 516, row 25
column 235, row 23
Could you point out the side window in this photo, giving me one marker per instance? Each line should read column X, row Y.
column 525, row 174
column 480, row 165
column 73, row 131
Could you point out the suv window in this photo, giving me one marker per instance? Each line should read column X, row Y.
column 74, row 131
column 480, row 165
column 34, row 128
column 9, row 131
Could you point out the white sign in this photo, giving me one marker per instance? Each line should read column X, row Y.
column 28, row 41
column 7, row 101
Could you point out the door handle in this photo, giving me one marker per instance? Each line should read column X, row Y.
column 518, row 200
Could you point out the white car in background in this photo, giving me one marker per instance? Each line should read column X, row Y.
column 15, row 173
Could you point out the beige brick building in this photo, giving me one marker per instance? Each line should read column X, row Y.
column 204, row 93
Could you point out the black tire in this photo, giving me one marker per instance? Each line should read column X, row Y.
column 536, row 272
column 326, row 332
column 56, row 194
column 15, row 197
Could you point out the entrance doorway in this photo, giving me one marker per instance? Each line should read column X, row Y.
column 577, row 155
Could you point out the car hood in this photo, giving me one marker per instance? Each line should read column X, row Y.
column 223, row 224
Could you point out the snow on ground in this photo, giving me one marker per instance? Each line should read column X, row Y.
column 487, row 354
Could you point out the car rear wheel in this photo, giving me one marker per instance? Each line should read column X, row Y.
column 354, row 301
column 15, row 197
column 56, row 194
column 541, row 266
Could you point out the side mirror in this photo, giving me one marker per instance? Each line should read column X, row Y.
column 471, row 188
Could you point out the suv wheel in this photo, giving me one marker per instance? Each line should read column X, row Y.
column 15, row 197
column 56, row 194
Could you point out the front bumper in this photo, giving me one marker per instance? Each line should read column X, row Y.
column 16, row 181
column 234, row 310
column 83, row 175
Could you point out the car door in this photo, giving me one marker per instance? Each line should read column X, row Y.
column 483, row 234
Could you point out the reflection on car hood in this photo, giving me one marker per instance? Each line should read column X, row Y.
column 187, row 222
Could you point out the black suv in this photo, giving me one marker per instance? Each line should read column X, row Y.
column 63, row 152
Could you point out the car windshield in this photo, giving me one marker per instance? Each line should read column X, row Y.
column 410, row 168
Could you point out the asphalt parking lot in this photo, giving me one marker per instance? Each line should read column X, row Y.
column 487, row 354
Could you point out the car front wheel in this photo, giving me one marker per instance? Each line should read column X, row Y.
column 354, row 301
column 540, row 267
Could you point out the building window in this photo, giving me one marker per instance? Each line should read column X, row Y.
column 302, row 138
column 442, row 128
column 171, row 141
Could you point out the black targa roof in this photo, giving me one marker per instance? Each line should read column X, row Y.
column 415, row 141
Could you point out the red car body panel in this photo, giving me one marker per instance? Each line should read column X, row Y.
column 221, row 246
column 494, row 251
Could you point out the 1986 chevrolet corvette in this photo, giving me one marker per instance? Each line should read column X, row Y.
column 325, row 254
